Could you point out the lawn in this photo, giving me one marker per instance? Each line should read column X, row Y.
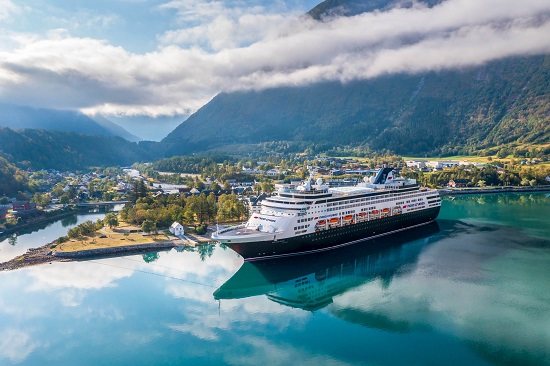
column 110, row 240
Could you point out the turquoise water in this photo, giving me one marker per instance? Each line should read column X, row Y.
column 472, row 289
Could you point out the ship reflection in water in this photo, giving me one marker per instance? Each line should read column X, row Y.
column 310, row 282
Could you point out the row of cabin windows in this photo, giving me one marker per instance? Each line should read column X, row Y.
column 386, row 198
column 358, row 205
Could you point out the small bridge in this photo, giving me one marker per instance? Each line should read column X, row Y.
column 102, row 204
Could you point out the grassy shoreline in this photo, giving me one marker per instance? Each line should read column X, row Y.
column 494, row 189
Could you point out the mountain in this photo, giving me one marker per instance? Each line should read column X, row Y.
column 14, row 116
column 61, row 150
column 330, row 8
column 114, row 129
column 449, row 112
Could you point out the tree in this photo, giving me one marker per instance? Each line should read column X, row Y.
column 267, row 186
column 41, row 199
column 64, row 199
column 111, row 220
column 148, row 226
column 108, row 196
column 74, row 232
column 20, row 196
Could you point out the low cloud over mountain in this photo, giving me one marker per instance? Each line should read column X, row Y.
column 214, row 47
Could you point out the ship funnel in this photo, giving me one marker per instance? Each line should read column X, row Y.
column 382, row 175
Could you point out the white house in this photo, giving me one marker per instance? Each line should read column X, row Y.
column 176, row 228
column 440, row 164
column 272, row 172
column 419, row 164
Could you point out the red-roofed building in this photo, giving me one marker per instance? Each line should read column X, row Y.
column 21, row 206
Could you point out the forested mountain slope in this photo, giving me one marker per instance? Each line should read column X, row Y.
column 67, row 150
column 447, row 112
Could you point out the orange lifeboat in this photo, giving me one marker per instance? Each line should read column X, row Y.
column 348, row 218
column 322, row 222
column 334, row 220
column 386, row 210
column 362, row 214
column 375, row 212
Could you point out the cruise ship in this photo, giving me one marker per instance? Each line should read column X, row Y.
column 312, row 217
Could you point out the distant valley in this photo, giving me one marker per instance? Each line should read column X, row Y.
column 22, row 117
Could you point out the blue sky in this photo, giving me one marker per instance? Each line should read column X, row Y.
column 149, row 64
column 135, row 25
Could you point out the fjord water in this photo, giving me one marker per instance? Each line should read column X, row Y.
column 472, row 289
column 16, row 244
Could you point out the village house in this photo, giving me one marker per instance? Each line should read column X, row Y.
column 440, row 164
column 250, row 171
column 177, row 229
column 21, row 206
column 272, row 173
column 418, row 164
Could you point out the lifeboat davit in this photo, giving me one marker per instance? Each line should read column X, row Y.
column 334, row 220
column 348, row 218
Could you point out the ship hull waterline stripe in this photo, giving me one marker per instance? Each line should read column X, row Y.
column 252, row 259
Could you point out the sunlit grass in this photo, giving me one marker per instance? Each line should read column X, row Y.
column 110, row 240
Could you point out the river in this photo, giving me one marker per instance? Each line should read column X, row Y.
column 472, row 289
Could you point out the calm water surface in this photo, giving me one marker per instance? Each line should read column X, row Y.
column 17, row 244
column 472, row 289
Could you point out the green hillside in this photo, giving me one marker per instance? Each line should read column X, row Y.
column 12, row 179
column 448, row 112
column 68, row 151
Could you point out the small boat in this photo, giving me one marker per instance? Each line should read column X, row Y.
column 386, row 210
column 334, row 220
column 362, row 214
column 375, row 212
column 348, row 218
column 322, row 222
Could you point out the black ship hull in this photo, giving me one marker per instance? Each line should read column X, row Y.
column 334, row 238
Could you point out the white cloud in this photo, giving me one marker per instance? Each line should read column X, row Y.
column 239, row 48
column 7, row 8
column 16, row 345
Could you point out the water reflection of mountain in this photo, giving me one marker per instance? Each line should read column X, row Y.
column 310, row 282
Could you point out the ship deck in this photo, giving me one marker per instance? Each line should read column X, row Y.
column 242, row 234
